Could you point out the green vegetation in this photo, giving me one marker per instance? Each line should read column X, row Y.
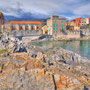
column 3, row 51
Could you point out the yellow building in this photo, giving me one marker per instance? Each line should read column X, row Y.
column 84, row 21
column 87, row 20
column 49, row 27
column 44, row 29
column 76, row 28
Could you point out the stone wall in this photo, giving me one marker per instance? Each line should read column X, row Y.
column 25, row 33
column 69, row 34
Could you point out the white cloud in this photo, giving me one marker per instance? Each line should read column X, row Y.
column 83, row 10
column 45, row 7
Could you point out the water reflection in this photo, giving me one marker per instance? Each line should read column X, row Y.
column 80, row 47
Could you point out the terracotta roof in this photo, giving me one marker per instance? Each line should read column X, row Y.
column 76, row 18
column 24, row 22
column 7, row 23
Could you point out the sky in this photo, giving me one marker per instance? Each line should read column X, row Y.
column 44, row 8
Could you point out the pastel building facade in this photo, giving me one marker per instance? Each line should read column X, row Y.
column 44, row 29
column 73, row 34
column 56, row 26
column 23, row 25
column 85, row 21
column 75, row 24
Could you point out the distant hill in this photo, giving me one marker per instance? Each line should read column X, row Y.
column 12, row 18
column 25, row 17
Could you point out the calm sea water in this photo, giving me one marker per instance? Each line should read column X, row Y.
column 80, row 47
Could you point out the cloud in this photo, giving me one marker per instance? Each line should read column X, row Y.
column 39, row 8
column 83, row 10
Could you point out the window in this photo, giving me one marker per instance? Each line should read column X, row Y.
column 54, row 25
column 55, row 21
column 61, row 25
column 83, row 22
column 57, row 25
column 75, row 32
column 62, row 21
column 55, row 34
column 54, row 28
column 61, row 28
column 53, row 31
column 53, row 17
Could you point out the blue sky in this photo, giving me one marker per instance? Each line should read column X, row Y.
column 44, row 8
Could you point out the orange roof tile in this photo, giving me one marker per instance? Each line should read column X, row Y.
column 7, row 23
column 76, row 18
column 24, row 22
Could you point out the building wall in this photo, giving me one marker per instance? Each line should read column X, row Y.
column 71, row 34
column 80, row 22
column 44, row 29
column 24, row 33
column 22, row 26
column 84, row 21
column 76, row 28
column 56, row 26
column 85, row 31
column 18, row 28
column 72, row 23
column 76, row 23
column 87, row 20
column 49, row 26
column 59, row 25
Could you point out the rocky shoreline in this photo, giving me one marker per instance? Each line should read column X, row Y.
column 28, row 67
